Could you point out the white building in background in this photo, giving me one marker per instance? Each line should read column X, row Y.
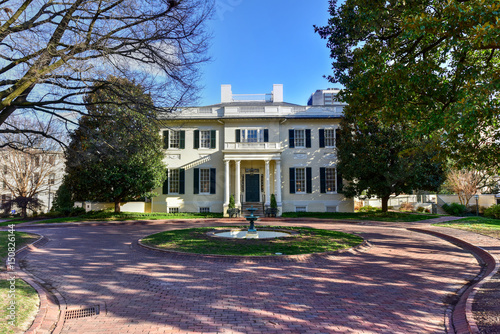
column 252, row 146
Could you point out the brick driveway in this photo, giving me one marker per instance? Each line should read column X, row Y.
column 399, row 285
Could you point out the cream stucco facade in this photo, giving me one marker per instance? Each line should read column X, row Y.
column 251, row 147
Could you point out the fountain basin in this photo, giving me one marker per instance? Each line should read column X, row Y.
column 244, row 234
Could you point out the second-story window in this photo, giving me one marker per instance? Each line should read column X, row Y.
column 300, row 138
column 52, row 179
column 330, row 137
column 174, row 139
column 204, row 139
column 252, row 135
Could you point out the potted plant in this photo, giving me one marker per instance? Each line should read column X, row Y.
column 232, row 211
column 272, row 211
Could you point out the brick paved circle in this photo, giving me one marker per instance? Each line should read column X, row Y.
column 399, row 285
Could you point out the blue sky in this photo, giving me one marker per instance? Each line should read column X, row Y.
column 258, row 43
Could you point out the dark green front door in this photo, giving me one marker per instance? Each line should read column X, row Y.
column 252, row 187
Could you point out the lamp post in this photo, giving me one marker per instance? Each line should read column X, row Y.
column 477, row 204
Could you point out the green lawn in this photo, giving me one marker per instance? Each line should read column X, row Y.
column 481, row 225
column 309, row 240
column 376, row 216
column 26, row 306
column 26, row 297
column 21, row 240
column 123, row 216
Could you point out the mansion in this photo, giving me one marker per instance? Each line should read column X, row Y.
column 250, row 147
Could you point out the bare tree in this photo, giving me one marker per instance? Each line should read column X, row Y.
column 29, row 163
column 54, row 52
column 465, row 183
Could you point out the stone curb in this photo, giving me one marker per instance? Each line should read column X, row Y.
column 463, row 309
column 48, row 316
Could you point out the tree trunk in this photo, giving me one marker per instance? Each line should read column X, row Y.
column 385, row 201
column 117, row 205
column 24, row 212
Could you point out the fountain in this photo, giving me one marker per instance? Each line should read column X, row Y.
column 252, row 233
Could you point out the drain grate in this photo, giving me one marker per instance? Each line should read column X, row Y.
column 81, row 313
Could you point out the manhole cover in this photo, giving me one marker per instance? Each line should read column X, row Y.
column 81, row 312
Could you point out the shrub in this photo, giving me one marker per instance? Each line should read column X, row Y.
column 231, row 202
column 493, row 212
column 455, row 209
column 420, row 209
column 369, row 209
column 406, row 207
column 274, row 204
column 357, row 205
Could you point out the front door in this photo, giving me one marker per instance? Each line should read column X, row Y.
column 252, row 187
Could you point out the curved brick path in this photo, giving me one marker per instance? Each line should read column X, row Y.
column 399, row 285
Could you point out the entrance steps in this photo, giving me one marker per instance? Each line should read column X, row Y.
column 257, row 205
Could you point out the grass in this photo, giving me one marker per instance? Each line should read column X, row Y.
column 309, row 240
column 26, row 306
column 26, row 297
column 122, row 216
column 376, row 216
column 21, row 240
column 481, row 225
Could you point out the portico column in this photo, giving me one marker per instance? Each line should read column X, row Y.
column 277, row 182
column 226, row 192
column 237, row 184
column 268, row 185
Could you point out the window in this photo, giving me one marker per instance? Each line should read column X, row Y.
column 205, row 210
column 327, row 137
column 4, row 184
column 173, row 179
column 174, row 184
column 52, row 179
column 329, row 98
column 173, row 210
column 300, row 180
column 330, row 137
column 5, row 169
column 204, row 139
column 328, row 178
column 300, row 209
column 252, row 135
column 204, row 181
column 52, row 160
column 174, row 139
column 36, row 178
column 300, row 138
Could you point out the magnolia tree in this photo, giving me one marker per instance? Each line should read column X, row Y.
column 55, row 52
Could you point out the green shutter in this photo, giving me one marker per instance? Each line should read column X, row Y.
column 196, row 181
column 165, row 185
column 339, row 182
column 322, row 179
column 309, row 180
column 321, row 137
column 196, row 139
column 266, row 135
column 308, row 138
column 182, row 139
column 291, row 140
column 292, row 180
column 212, row 180
column 238, row 135
column 213, row 138
column 165, row 139
column 181, row 181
